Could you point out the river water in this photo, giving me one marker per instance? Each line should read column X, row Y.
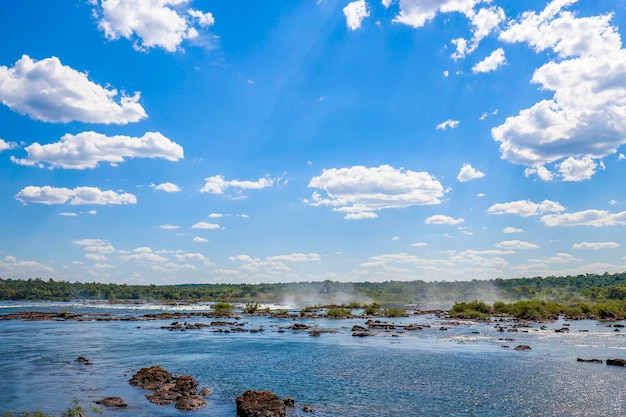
column 465, row 370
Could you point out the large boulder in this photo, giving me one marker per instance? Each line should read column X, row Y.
column 152, row 378
column 260, row 404
column 616, row 362
column 190, row 403
column 186, row 385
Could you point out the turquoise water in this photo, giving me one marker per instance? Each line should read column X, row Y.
column 462, row 371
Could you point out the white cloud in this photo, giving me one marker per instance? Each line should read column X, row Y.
column 621, row 157
column 355, row 12
column 361, row 215
column 68, row 214
column 395, row 238
column 525, row 208
column 441, row 219
column 198, row 239
column 96, row 257
column 217, row 184
column 168, row 187
column 169, row 227
column 468, row 173
column 596, row 245
column 595, row 218
column 48, row 91
column 586, row 117
column 613, row 202
column 11, row 267
column 359, row 191
column 573, row 169
column 510, row 229
column 295, row 257
column 515, row 244
column 205, row 225
column 416, row 13
column 419, row 244
column 87, row 149
column 144, row 255
column 77, row 196
column 151, row 24
column 448, row 124
column 5, row 146
column 542, row 172
column 215, row 215
column 491, row 62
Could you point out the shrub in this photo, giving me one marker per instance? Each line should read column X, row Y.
column 371, row 309
column 339, row 313
column 222, row 308
column 394, row 312
column 251, row 307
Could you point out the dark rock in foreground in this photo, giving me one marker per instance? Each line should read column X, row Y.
column 522, row 347
column 152, row 378
column 168, row 389
column 112, row 402
column 616, row 362
column 589, row 360
column 260, row 404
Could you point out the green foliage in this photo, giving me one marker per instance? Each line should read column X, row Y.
column 222, row 308
column 475, row 309
column 339, row 313
column 394, row 312
column 74, row 410
column 372, row 309
column 251, row 307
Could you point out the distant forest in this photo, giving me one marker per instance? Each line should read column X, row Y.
column 420, row 294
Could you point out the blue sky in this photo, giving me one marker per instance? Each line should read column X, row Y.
column 189, row 141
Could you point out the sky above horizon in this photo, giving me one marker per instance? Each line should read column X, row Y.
column 205, row 141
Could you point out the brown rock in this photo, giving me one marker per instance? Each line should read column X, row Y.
column 522, row 347
column 190, row 403
column 112, row 402
column 307, row 408
column 616, row 362
column 205, row 392
column 260, row 404
column 163, row 397
column 589, row 360
column 186, row 385
column 289, row 402
column 152, row 378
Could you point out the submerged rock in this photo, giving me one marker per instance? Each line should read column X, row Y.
column 589, row 360
column 190, row 403
column 168, row 389
column 260, row 404
column 616, row 362
column 522, row 347
column 112, row 402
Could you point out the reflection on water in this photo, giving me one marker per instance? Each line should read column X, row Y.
column 462, row 371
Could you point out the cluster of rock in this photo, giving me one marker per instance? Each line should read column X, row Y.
column 265, row 404
column 181, row 390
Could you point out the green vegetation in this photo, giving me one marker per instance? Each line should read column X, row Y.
column 372, row 309
column 394, row 312
column 251, row 307
column 222, row 308
column 339, row 313
column 75, row 410
column 477, row 310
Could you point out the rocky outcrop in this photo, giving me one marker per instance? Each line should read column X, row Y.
column 522, row 347
column 616, row 362
column 182, row 390
column 112, row 402
column 589, row 360
column 260, row 404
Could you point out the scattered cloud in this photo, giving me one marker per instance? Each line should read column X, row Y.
column 169, row 227
column 12, row 267
column 468, row 173
column 360, row 191
column 448, row 124
column 510, row 229
column 416, row 13
column 143, row 255
column 218, row 185
column 295, row 257
column 77, row 196
column 441, row 219
column 198, row 239
column 585, row 117
column 48, row 91
column 68, row 214
column 205, row 225
column 355, row 12
column 419, row 244
column 515, row 245
column 151, row 24
column 168, row 187
column 595, row 218
column 596, row 245
column 5, row 146
column 490, row 63
column 525, row 208
column 87, row 149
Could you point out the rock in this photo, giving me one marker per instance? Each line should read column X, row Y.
column 152, row 378
column 112, row 402
column 616, row 362
column 260, row 404
column 190, row 403
column 307, row 408
column 361, row 334
column 82, row 359
column 589, row 360
column 163, row 397
column 205, row 392
column 289, row 402
column 522, row 347
column 298, row 326
column 357, row 328
column 186, row 385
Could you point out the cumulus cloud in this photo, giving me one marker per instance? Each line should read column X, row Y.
column 151, row 24
column 586, row 116
column 595, row 218
column 217, row 184
column 510, row 229
column 295, row 257
column 468, row 173
column 416, row 13
column 515, row 244
column 12, row 267
column 596, row 245
column 355, row 12
column 5, row 146
column 205, row 225
column 360, row 191
column 48, row 91
column 573, row 169
column 448, row 124
column 143, row 254
column 77, row 196
column 525, row 208
column 87, row 149
column 169, row 227
column 198, row 239
column 419, row 244
column 491, row 62
column 168, row 187
column 441, row 219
